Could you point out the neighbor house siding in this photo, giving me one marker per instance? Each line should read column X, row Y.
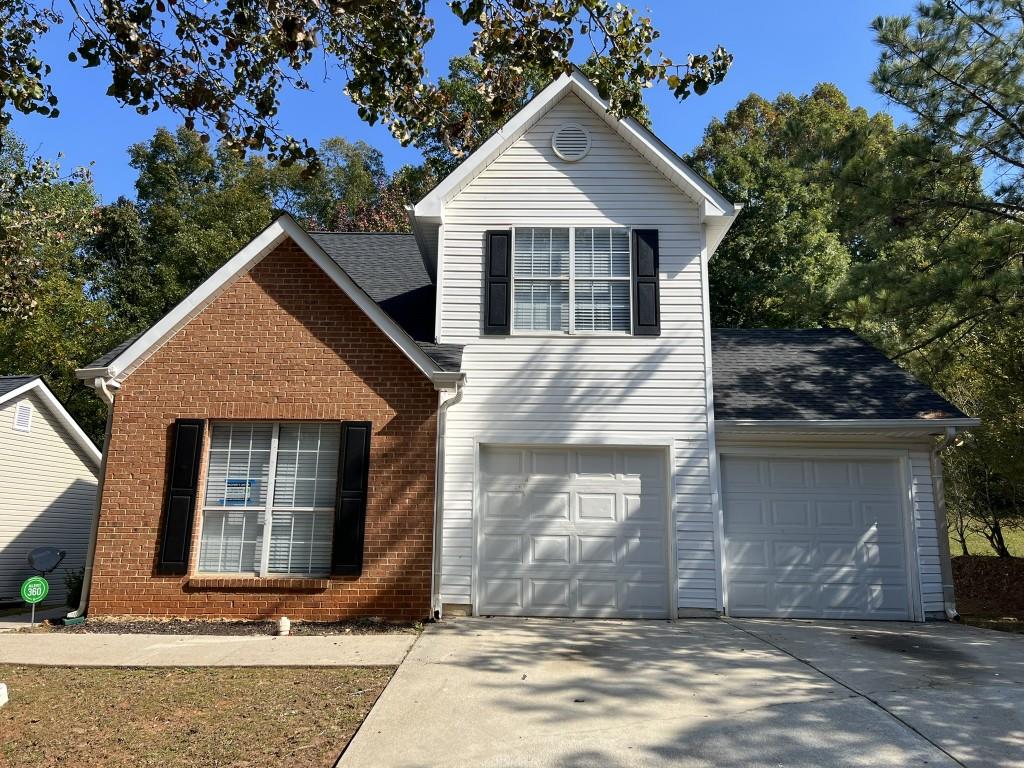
column 281, row 342
column 611, row 390
column 47, row 496
column 927, row 530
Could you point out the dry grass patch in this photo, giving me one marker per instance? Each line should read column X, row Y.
column 189, row 717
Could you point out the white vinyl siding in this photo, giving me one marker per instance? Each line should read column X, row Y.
column 927, row 531
column 47, row 496
column 611, row 389
column 284, row 473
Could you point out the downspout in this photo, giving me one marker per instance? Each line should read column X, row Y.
column 446, row 400
column 105, row 389
column 939, row 492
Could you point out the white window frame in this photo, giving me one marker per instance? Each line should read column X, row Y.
column 265, row 518
column 571, row 278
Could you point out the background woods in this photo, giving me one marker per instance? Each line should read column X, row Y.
column 912, row 235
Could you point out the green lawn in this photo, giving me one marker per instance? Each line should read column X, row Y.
column 978, row 545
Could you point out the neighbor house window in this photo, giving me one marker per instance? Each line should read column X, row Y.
column 571, row 279
column 276, row 479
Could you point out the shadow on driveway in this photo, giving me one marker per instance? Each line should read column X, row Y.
column 505, row 692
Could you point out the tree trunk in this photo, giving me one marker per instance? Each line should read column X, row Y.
column 962, row 540
column 994, row 534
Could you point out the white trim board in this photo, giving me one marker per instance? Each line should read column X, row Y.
column 737, row 426
column 284, row 227
column 57, row 409
column 716, row 212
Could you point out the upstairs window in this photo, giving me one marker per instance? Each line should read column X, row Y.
column 571, row 280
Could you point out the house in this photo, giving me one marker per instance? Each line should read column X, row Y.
column 48, row 476
column 518, row 409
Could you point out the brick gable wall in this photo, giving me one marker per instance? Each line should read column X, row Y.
column 282, row 342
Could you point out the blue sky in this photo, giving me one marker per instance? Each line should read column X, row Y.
column 786, row 45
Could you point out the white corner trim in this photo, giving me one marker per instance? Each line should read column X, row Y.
column 635, row 134
column 57, row 409
column 282, row 228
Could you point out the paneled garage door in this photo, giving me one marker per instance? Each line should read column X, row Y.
column 573, row 532
column 814, row 538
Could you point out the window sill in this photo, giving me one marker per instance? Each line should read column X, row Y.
column 270, row 584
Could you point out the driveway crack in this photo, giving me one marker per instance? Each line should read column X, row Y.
column 868, row 698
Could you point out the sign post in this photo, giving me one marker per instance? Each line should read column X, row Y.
column 34, row 590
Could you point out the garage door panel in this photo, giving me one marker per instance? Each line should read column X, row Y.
column 783, row 473
column 646, row 465
column 596, row 507
column 877, row 474
column 834, row 514
column 795, row 512
column 550, row 550
column 596, row 463
column 833, row 475
column 502, row 594
column 643, row 507
column 503, row 461
column 549, row 463
column 746, row 553
column 550, row 593
column 503, row 548
column 740, row 474
column 833, row 549
column 598, row 594
column 786, row 554
column 599, row 550
column 644, row 550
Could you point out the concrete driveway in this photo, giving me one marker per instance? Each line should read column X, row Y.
column 502, row 692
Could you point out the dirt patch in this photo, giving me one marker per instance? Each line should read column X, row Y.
column 989, row 586
column 189, row 717
column 133, row 626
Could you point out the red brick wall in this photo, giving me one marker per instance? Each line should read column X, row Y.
column 282, row 342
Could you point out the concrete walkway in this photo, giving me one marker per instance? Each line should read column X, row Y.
column 521, row 693
column 101, row 650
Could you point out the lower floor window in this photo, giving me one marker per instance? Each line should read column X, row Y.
column 269, row 502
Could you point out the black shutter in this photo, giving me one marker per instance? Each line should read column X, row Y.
column 350, row 508
column 646, row 303
column 498, row 283
column 182, row 485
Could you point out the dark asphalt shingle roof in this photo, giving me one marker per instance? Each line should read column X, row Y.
column 814, row 374
column 389, row 268
column 10, row 383
column 107, row 358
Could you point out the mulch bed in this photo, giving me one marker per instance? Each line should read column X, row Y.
column 133, row 626
column 989, row 586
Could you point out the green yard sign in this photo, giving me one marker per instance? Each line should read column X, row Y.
column 34, row 589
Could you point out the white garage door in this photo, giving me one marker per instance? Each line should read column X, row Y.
column 814, row 538
column 572, row 532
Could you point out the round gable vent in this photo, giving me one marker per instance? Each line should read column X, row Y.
column 571, row 142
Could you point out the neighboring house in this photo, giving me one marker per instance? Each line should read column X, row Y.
column 48, row 476
column 518, row 409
